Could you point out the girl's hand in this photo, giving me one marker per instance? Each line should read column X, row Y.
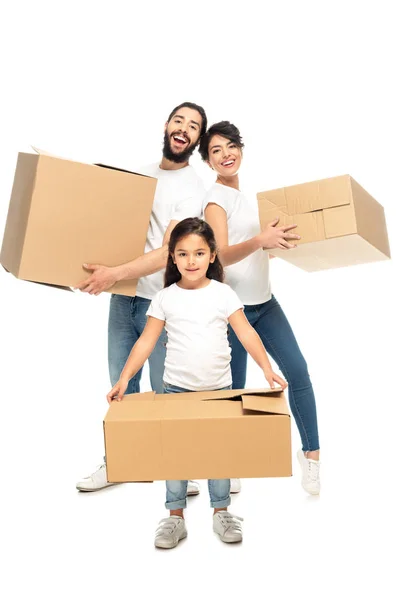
column 117, row 391
column 272, row 377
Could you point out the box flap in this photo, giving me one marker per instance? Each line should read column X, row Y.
column 268, row 403
column 217, row 395
column 45, row 153
column 317, row 195
column 122, row 170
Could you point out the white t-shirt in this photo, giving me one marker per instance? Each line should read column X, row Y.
column 249, row 277
column 179, row 194
column 198, row 353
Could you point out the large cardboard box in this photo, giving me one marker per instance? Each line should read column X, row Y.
column 64, row 213
column 198, row 435
column 339, row 223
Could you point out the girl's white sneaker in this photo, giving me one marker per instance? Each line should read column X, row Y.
column 170, row 532
column 227, row 526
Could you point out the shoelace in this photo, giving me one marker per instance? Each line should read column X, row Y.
column 313, row 470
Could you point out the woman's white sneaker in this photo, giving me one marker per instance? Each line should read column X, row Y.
column 227, row 526
column 193, row 488
column 95, row 481
column 236, row 486
column 170, row 532
column 310, row 474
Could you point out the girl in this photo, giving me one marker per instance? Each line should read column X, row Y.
column 240, row 244
column 195, row 307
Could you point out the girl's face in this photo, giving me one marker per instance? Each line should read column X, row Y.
column 224, row 156
column 192, row 257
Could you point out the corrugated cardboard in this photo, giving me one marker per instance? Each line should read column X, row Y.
column 64, row 213
column 340, row 224
column 198, row 435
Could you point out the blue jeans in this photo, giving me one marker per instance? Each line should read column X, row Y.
column 269, row 320
column 219, row 489
column 126, row 322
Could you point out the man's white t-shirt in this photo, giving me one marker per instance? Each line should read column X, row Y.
column 179, row 194
column 198, row 353
column 249, row 277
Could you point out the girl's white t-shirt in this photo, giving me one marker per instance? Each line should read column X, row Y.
column 198, row 353
column 249, row 278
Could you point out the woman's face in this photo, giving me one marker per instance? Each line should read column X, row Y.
column 224, row 156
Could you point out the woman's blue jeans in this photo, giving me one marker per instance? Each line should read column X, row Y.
column 271, row 324
column 219, row 489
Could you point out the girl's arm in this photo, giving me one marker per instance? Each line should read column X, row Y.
column 271, row 237
column 138, row 356
column 251, row 341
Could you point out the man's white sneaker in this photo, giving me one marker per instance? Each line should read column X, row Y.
column 95, row 481
column 193, row 488
column 227, row 526
column 170, row 532
column 236, row 486
column 310, row 474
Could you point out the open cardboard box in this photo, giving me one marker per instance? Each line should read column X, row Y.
column 198, row 435
column 339, row 223
column 64, row 213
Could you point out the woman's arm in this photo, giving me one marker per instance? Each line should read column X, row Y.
column 137, row 357
column 251, row 341
column 271, row 237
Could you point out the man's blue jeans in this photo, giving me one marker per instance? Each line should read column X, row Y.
column 127, row 319
column 219, row 489
column 271, row 324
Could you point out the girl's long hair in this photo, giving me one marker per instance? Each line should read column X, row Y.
column 182, row 229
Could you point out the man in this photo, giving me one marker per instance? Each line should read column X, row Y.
column 179, row 194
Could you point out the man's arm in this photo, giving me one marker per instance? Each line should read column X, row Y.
column 102, row 277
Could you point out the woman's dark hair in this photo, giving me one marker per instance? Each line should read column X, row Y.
column 225, row 129
column 193, row 106
column 182, row 229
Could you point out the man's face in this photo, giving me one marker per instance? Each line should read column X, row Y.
column 181, row 134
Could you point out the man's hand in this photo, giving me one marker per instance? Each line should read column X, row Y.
column 277, row 237
column 101, row 279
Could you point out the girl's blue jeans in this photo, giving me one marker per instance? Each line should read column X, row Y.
column 219, row 489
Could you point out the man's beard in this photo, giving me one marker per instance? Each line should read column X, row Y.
column 176, row 158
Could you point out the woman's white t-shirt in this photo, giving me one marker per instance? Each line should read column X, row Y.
column 249, row 277
column 198, row 353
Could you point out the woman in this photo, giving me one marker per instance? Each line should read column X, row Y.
column 240, row 248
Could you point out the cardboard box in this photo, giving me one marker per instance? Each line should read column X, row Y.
column 64, row 213
column 198, row 435
column 339, row 222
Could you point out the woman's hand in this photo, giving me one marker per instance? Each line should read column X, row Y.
column 273, row 378
column 277, row 237
column 117, row 391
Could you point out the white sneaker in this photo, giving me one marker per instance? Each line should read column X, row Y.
column 170, row 532
column 236, row 486
column 310, row 473
column 95, row 481
column 193, row 488
column 227, row 526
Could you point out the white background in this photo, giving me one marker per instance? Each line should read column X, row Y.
column 313, row 87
